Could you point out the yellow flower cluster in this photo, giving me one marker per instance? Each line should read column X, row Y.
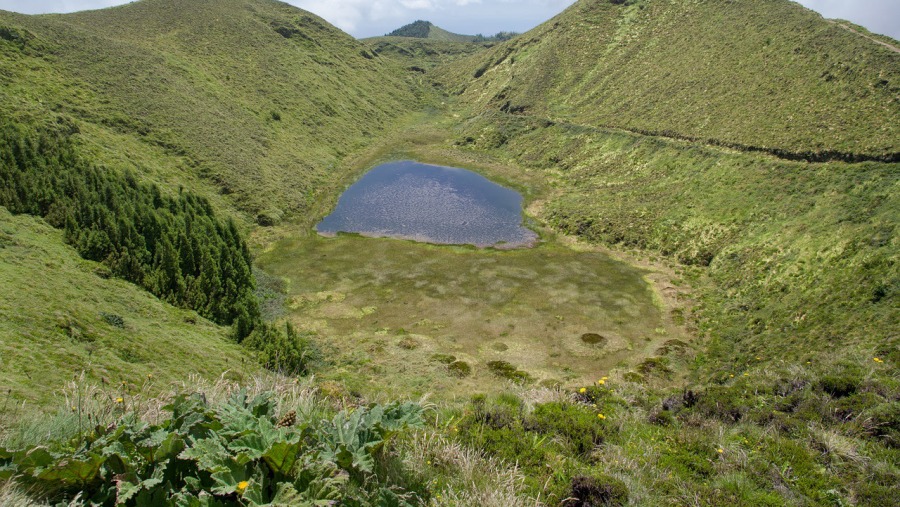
column 878, row 360
column 601, row 416
column 242, row 486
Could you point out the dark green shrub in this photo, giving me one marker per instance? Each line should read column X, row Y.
column 409, row 343
column 850, row 407
column 286, row 352
column 885, row 423
column 579, row 428
column 690, row 457
column 839, row 385
column 594, row 339
column 459, row 369
column 113, row 320
column 443, row 358
column 507, row 371
column 655, row 367
column 596, row 491
column 661, row 418
column 592, row 394
column 876, row 495
column 496, row 414
column 723, row 403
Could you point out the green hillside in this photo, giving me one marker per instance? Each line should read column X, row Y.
column 62, row 316
column 768, row 75
column 710, row 316
column 256, row 98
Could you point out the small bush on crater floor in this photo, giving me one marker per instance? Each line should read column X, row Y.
column 459, row 369
column 655, row 367
column 593, row 339
column 507, row 371
column 443, row 358
column 409, row 343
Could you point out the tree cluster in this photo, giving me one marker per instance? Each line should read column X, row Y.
column 174, row 246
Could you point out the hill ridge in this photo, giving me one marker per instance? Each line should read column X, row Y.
column 694, row 70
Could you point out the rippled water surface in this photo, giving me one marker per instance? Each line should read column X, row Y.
column 430, row 203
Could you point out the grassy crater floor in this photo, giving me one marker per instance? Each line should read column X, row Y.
column 399, row 317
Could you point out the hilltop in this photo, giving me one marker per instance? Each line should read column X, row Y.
column 428, row 30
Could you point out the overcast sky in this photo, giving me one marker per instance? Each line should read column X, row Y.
column 366, row 18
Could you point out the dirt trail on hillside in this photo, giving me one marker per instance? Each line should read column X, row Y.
column 895, row 49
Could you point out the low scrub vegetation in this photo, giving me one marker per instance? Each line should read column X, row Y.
column 281, row 446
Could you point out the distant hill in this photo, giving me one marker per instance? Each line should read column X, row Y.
column 427, row 30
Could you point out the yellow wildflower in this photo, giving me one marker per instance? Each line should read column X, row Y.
column 721, row 451
column 120, row 400
column 582, row 390
column 242, row 486
column 878, row 360
column 746, row 374
column 601, row 416
column 731, row 376
column 601, row 382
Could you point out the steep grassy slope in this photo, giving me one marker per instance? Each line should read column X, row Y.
column 768, row 75
column 260, row 98
column 60, row 317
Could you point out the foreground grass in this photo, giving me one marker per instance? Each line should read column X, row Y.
column 271, row 440
column 779, row 434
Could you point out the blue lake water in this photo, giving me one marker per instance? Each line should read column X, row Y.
column 434, row 204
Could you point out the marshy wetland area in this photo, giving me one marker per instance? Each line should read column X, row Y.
column 399, row 317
